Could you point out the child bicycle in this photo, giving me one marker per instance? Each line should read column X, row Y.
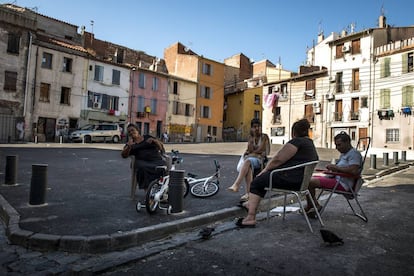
column 157, row 193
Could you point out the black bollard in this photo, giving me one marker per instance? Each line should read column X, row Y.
column 385, row 158
column 176, row 191
column 373, row 161
column 38, row 184
column 395, row 157
column 403, row 156
column 11, row 170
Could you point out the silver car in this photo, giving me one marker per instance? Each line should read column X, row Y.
column 97, row 133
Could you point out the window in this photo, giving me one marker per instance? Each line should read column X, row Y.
column 392, row 135
column 10, row 81
column 256, row 114
column 47, row 61
column 385, row 68
column 205, row 92
column 116, row 76
column 339, row 86
column 141, row 82
column 154, row 106
column 256, row 99
column 154, row 84
column 385, row 98
column 364, row 101
column 270, row 89
column 189, row 110
column 277, row 117
column 407, row 62
column 407, row 96
column 310, row 89
column 277, row 131
column 99, row 71
column 338, row 51
column 67, row 65
column 65, row 95
column 214, row 131
column 44, row 92
column 205, row 111
column 109, row 102
column 356, row 47
column 175, row 88
column 354, row 109
column 355, row 80
column 207, row 70
column 13, row 43
column 141, row 104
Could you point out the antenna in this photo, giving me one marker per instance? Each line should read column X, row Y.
column 92, row 22
column 320, row 30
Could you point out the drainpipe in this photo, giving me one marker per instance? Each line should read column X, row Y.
column 26, row 90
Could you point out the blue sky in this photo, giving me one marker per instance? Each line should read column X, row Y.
column 217, row 29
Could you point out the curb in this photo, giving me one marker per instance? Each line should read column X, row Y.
column 135, row 237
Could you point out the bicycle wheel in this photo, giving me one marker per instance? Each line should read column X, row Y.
column 151, row 204
column 205, row 190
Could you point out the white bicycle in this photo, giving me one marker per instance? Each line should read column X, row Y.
column 157, row 193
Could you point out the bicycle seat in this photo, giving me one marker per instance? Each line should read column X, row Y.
column 192, row 175
column 161, row 169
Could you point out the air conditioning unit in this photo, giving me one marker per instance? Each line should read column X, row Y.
column 330, row 96
column 316, row 105
column 276, row 88
column 346, row 48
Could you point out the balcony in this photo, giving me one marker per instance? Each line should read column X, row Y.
column 355, row 86
column 354, row 115
column 338, row 116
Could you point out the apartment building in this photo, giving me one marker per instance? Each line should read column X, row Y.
column 350, row 91
column 209, row 74
column 16, row 29
column 286, row 101
column 393, row 101
column 181, row 113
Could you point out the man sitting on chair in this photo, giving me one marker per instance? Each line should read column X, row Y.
column 350, row 162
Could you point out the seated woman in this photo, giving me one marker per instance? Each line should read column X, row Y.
column 258, row 147
column 299, row 149
column 148, row 155
column 350, row 162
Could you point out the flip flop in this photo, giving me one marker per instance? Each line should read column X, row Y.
column 239, row 223
column 244, row 207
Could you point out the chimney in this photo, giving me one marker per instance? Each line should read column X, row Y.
column 382, row 21
column 321, row 37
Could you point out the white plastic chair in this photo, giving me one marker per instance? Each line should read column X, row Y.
column 303, row 191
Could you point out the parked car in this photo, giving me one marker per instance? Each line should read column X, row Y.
column 97, row 133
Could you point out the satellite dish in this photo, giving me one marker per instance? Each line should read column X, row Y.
column 186, row 49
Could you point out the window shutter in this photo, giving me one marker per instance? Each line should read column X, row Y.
column 405, row 63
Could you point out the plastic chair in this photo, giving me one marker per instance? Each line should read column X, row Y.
column 363, row 144
column 303, row 191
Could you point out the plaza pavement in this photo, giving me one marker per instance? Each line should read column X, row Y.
column 35, row 228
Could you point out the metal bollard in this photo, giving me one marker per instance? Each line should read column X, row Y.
column 373, row 159
column 403, row 156
column 38, row 184
column 395, row 157
column 385, row 158
column 11, row 170
column 176, row 191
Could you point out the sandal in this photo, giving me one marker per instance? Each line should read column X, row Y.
column 312, row 213
column 244, row 198
column 239, row 223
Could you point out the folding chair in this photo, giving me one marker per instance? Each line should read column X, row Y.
column 364, row 144
column 303, row 191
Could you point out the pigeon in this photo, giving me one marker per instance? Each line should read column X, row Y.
column 205, row 233
column 331, row 238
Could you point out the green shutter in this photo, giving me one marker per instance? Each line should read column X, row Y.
column 405, row 63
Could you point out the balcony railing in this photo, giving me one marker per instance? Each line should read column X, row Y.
column 354, row 115
column 338, row 116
